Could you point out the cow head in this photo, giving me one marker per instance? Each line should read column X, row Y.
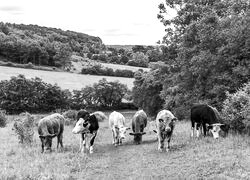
column 47, row 141
column 82, row 126
column 137, row 137
column 167, row 126
column 120, row 132
column 218, row 130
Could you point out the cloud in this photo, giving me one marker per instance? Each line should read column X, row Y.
column 11, row 9
column 117, row 32
column 140, row 24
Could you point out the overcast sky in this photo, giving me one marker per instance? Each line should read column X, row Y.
column 114, row 21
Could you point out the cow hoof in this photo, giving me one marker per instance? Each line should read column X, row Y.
column 160, row 149
column 91, row 150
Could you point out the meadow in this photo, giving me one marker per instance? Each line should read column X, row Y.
column 203, row 158
column 65, row 80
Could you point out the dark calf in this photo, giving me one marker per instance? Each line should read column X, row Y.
column 50, row 127
column 139, row 122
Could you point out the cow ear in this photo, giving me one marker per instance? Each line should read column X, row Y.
column 41, row 136
column 174, row 119
column 225, row 127
column 209, row 126
column 160, row 120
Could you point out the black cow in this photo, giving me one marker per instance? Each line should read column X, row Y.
column 87, row 125
column 208, row 117
column 50, row 127
column 139, row 122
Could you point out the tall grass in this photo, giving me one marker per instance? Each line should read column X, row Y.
column 203, row 158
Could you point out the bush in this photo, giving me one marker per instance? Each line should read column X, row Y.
column 20, row 94
column 98, row 69
column 29, row 65
column 236, row 110
column 3, row 119
column 24, row 128
column 70, row 116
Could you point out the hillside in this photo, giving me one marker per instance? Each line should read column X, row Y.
column 79, row 62
column 65, row 80
column 43, row 45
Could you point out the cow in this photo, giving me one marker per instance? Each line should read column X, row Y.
column 118, row 128
column 139, row 122
column 87, row 126
column 208, row 118
column 50, row 127
column 165, row 123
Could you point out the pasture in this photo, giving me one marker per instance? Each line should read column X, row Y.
column 65, row 80
column 204, row 158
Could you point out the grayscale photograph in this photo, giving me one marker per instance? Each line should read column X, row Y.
column 125, row 90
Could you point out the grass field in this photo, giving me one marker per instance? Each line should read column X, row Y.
column 204, row 158
column 65, row 80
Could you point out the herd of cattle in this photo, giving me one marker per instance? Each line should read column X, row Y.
column 204, row 117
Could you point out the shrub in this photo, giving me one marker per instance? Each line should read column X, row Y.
column 70, row 116
column 236, row 110
column 24, row 128
column 3, row 119
column 29, row 65
column 98, row 69
column 109, row 94
column 124, row 73
column 20, row 94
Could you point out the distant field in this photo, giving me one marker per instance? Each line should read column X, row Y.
column 117, row 66
column 204, row 158
column 65, row 80
column 78, row 65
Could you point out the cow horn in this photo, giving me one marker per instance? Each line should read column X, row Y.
column 50, row 135
column 132, row 134
column 217, row 124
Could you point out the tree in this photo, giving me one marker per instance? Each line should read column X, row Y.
column 62, row 57
column 109, row 94
column 146, row 92
column 205, row 52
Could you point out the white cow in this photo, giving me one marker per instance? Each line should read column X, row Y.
column 165, row 122
column 117, row 125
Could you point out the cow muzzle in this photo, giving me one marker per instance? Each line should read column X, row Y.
column 168, row 129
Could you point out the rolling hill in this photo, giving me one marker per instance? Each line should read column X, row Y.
column 65, row 80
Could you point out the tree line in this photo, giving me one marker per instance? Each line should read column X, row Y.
column 20, row 94
column 207, row 56
column 45, row 46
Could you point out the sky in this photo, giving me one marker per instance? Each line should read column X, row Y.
column 116, row 22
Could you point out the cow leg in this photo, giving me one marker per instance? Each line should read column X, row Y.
column 59, row 140
column 42, row 146
column 91, row 149
column 192, row 129
column 120, row 141
column 204, row 129
column 160, row 143
column 113, row 135
column 168, row 147
column 198, row 130
column 115, row 139
column 82, row 143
